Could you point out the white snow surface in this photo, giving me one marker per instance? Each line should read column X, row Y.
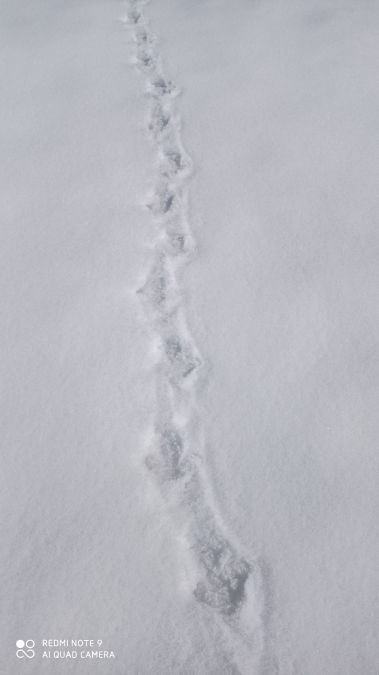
column 189, row 345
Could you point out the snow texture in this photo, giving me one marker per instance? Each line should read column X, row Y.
column 189, row 347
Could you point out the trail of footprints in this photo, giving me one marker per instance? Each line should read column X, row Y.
column 172, row 459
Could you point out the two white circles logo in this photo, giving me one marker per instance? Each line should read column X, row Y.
column 25, row 649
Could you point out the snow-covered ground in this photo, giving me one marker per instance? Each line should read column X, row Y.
column 189, row 345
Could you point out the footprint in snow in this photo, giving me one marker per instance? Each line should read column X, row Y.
column 226, row 574
column 162, row 201
column 167, row 463
column 145, row 59
column 155, row 288
column 162, row 87
column 159, row 119
column 134, row 16
column 176, row 243
column 181, row 357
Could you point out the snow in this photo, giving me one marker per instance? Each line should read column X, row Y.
column 189, row 350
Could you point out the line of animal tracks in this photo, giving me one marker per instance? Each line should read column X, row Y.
column 226, row 585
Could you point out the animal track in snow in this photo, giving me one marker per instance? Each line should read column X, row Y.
column 177, row 242
column 222, row 572
column 226, row 575
column 159, row 86
column 181, row 356
column 175, row 158
column 142, row 37
column 174, row 163
column 145, row 58
column 156, row 287
column 134, row 15
column 167, row 462
column 178, row 238
column 159, row 119
column 162, row 200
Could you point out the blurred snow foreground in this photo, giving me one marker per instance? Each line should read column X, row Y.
column 190, row 347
